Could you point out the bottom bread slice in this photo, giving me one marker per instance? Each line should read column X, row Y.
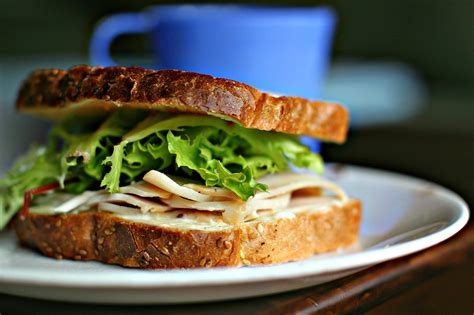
column 110, row 239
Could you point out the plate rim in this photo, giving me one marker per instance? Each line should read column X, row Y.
column 267, row 273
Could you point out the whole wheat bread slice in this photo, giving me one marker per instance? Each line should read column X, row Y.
column 82, row 89
column 107, row 238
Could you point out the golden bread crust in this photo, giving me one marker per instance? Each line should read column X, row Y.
column 107, row 238
column 53, row 93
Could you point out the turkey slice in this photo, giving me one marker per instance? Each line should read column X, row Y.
column 111, row 207
column 164, row 182
column 288, row 182
column 143, row 204
column 77, row 201
column 232, row 211
column 181, row 203
column 302, row 204
column 213, row 191
column 144, row 189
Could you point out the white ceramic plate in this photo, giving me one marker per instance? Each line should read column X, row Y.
column 401, row 215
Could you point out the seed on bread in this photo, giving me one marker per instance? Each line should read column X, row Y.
column 146, row 256
column 100, row 240
column 164, row 251
column 260, row 228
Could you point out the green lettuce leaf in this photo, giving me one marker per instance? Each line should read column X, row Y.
column 128, row 144
column 213, row 150
column 216, row 165
column 38, row 167
column 88, row 151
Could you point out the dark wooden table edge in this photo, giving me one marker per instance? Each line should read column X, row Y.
column 375, row 285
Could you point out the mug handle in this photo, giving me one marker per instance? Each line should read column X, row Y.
column 110, row 28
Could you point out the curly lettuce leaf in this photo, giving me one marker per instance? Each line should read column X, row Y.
column 130, row 143
column 219, row 153
column 216, row 165
column 88, row 151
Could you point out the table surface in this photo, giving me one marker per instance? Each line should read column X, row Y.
column 439, row 280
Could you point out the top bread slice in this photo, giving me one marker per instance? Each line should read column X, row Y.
column 55, row 93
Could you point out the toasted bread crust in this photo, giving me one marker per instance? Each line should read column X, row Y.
column 50, row 92
column 107, row 238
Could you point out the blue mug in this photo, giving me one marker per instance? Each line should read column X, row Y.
column 284, row 50
column 278, row 49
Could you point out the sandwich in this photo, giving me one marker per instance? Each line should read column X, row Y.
column 173, row 169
